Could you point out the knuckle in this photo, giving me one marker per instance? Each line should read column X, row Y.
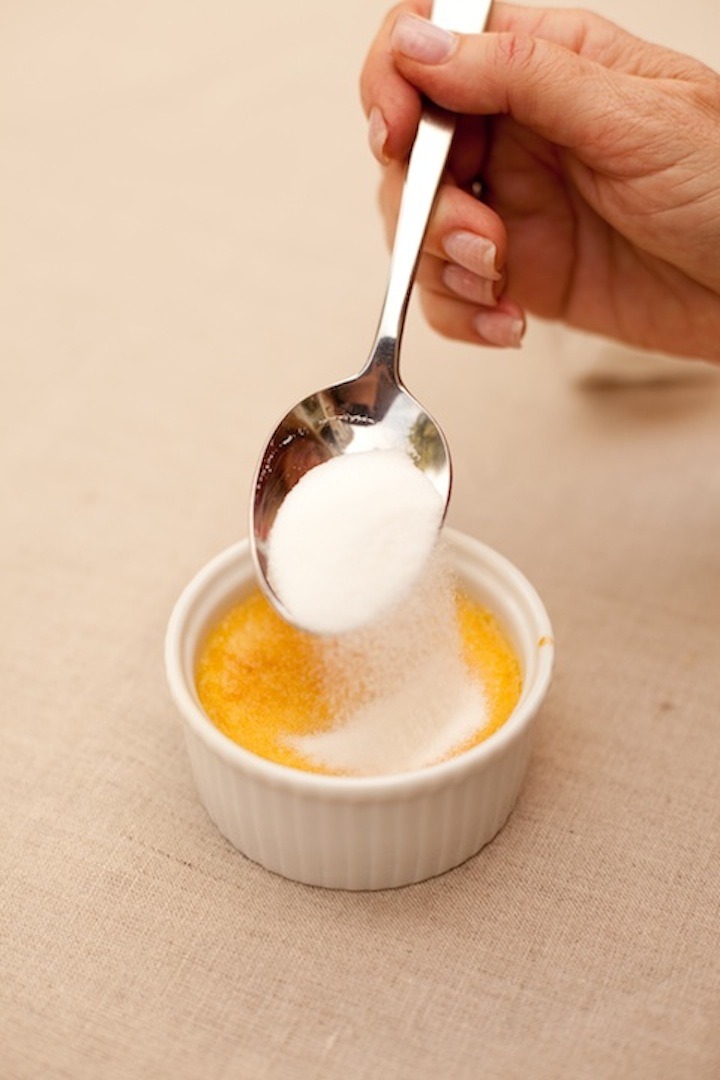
column 516, row 51
column 705, row 94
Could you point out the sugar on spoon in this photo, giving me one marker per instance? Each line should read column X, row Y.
column 371, row 410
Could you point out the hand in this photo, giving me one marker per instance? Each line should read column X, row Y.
column 600, row 163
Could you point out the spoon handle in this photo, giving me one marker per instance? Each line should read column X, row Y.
column 425, row 168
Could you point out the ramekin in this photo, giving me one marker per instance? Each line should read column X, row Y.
column 361, row 832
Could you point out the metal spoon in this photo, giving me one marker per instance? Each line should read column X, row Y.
column 372, row 410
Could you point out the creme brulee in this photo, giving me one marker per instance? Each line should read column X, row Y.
column 265, row 685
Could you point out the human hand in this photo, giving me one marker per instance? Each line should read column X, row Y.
column 600, row 162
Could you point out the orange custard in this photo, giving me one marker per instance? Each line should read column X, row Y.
column 264, row 683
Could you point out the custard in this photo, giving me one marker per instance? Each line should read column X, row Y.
column 265, row 684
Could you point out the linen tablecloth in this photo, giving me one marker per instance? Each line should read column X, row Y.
column 190, row 243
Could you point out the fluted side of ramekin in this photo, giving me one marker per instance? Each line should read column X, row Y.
column 361, row 833
column 391, row 840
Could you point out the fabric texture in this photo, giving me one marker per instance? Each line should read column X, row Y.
column 191, row 244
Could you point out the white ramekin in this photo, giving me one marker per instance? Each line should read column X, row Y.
column 370, row 832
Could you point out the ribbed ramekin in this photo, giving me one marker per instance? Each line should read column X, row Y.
column 369, row 832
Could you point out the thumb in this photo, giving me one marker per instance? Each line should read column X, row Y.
column 566, row 98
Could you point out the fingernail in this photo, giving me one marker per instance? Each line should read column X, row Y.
column 421, row 40
column 475, row 253
column 468, row 285
column 496, row 328
column 377, row 135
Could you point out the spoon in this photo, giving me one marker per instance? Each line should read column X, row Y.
column 371, row 410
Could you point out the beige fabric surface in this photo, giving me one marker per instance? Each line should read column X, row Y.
column 189, row 244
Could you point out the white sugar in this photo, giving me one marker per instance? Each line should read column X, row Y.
column 404, row 697
column 351, row 538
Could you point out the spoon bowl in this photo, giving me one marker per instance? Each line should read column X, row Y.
column 369, row 412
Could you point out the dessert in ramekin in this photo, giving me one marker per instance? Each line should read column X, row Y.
column 361, row 832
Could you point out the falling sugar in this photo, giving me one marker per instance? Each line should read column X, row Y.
column 403, row 695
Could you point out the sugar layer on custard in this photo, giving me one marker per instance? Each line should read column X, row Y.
column 433, row 679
